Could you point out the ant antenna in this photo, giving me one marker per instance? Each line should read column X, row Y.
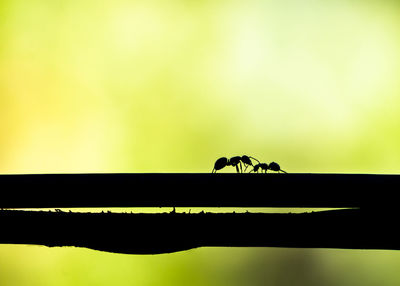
column 254, row 159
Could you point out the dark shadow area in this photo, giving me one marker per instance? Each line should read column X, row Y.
column 170, row 232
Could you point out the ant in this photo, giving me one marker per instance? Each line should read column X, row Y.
column 265, row 167
column 234, row 161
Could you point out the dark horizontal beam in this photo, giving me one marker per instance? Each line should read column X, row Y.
column 198, row 190
column 170, row 232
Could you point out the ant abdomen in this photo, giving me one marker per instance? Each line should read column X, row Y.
column 220, row 163
column 275, row 167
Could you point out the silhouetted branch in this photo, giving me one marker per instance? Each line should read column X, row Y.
column 198, row 190
column 370, row 226
column 169, row 232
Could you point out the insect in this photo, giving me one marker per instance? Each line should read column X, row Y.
column 265, row 167
column 234, row 161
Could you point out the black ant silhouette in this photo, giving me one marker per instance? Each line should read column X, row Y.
column 234, row 161
column 265, row 167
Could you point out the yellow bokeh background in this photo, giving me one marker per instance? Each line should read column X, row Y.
column 170, row 86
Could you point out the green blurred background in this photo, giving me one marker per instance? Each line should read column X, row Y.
column 170, row 86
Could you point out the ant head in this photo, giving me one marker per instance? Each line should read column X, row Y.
column 246, row 160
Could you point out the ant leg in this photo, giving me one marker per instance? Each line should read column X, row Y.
column 240, row 165
column 237, row 168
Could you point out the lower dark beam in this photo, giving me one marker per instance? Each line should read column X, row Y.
column 170, row 232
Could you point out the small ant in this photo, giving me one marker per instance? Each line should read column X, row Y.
column 265, row 167
column 234, row 161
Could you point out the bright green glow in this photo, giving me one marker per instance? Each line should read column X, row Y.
column 169, row 86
